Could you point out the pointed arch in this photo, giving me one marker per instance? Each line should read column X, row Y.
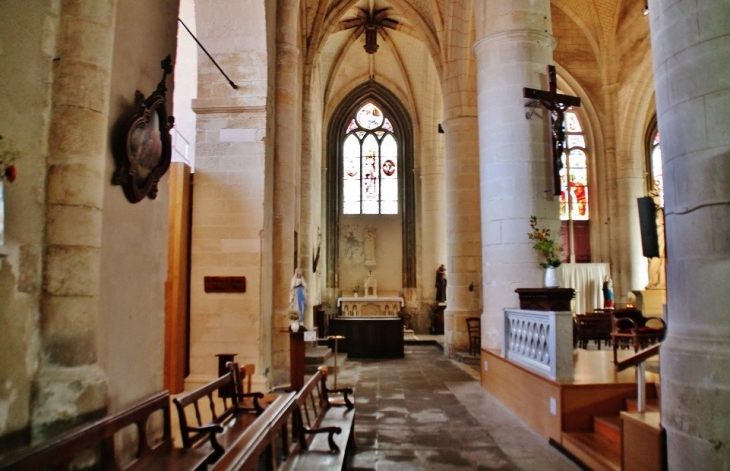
column 403, row 124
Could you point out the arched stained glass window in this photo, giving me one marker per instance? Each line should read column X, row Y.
column 370, row 164
column 657, row 175
column 574, row 174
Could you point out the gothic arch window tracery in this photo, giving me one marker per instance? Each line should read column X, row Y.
column 370, row 164
column 399, row 118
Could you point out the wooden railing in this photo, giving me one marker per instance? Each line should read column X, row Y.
column 639, row 361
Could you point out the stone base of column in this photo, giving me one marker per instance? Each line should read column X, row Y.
column 651, row 301
column 66, row 397
column 689, row 366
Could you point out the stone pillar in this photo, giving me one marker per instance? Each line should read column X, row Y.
column 433, row 213
column 463, row 248
column 69, row 384
column 513, row 50
column 286, row 179
column 231, row 222
column 691, row 52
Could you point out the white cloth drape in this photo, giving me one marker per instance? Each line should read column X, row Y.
column 587, row 281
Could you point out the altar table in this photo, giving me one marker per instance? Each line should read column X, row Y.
column 369, row 337
column 369, row 306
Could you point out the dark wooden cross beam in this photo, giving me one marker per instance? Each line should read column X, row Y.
column 556, row 103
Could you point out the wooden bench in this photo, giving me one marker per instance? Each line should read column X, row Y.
column 212, row 418
column 267, row 443
column 324, row 426
column 94, row 442
column 312, row 429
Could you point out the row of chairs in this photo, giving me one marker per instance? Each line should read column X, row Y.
column 623, row 328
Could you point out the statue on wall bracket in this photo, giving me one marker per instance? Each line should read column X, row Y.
column 142, row 146
column 369, row 247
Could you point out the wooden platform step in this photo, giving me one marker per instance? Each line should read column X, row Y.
column 645, row 445
column 594, row 450
column 652, row 405
column 609, row 427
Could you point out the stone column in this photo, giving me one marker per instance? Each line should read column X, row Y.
column 286, row 179
column 69, row 383
column 463, row 238
column 231, row 222
column 691, row 52
column 433, row 212
column 513, row 50
column 432, row 189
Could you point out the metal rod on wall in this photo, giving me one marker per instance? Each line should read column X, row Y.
column 235, row 87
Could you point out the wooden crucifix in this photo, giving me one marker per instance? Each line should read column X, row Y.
column 556, row 103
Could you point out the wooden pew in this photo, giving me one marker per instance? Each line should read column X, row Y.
column 310, row 429
column 267, row 443
column 211, row 417
column 60, row 452
column 324, row 426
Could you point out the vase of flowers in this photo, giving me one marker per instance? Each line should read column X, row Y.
column 550, row 253
column 356, row 290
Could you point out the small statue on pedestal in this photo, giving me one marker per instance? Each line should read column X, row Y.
column 298, row 294
column 608, row 293
column 369, row 248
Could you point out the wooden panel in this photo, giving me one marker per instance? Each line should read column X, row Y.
column 545, row 299
column 644, row 442
column 176, row 286
column 526, row 394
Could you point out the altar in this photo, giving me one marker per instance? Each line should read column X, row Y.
column 370, row 306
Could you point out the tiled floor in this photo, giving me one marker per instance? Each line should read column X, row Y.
column 426, row 412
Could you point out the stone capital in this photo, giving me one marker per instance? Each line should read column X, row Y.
column 519, row 35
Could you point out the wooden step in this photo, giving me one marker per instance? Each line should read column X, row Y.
column 594, row 450
column 645, row 445
column 652, row 405
column 609, row 427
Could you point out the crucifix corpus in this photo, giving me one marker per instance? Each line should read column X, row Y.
column 556, row 103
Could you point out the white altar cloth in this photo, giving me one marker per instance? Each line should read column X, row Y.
column 370, row 305
column 587, row 281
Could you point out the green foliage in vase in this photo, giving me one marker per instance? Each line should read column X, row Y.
column 551, row 254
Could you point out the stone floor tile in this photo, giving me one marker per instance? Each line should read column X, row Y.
column 426, row 412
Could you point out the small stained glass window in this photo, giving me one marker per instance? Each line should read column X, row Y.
column 574, row 174
column 656, row 168
column 370, row 164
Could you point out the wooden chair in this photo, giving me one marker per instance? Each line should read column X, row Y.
column 242, row 377
column 474, row 328
column 592, row 326
column 630, row 327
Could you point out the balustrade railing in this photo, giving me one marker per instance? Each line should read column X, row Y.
column 541, row 341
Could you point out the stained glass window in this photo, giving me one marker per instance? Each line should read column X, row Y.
column 370, row 164
column 574, row 174
column 656, row 168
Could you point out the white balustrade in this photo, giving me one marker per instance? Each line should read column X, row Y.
column 541, row 341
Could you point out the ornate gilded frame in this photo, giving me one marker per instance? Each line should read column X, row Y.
column 143, row 148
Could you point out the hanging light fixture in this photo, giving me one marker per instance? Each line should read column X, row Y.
column 371, row 38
